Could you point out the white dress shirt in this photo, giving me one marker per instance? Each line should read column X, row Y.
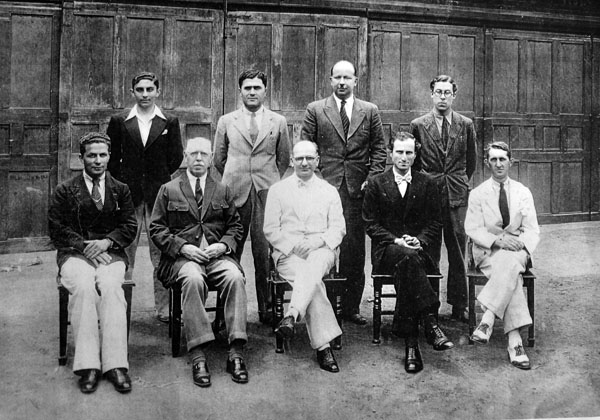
column 439, row 119
column 259, row 116
column 403, row 186
column 348, row 106
column 145, row 123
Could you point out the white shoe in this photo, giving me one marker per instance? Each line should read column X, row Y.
column 482, row 334
column 518, row 358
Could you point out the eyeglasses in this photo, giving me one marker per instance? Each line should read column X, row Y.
column 300, row 159
column 446, row 93
column 203, row 155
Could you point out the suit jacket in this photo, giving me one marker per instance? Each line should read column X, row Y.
column 242, row 164
column 74, row 218
column 483, row 222
column 453, row 168
column 289, row 217
column 385, row 221
column 144, row 168
column 362, row 155
column 176, row 221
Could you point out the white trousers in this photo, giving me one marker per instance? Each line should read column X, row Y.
column 503, row 294
column 87, row 307
column 309, row 296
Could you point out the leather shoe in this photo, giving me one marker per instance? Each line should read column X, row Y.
column 357, row 319
column 88, row 382
column 201, row 374
column 237, row 369
column 436, row 337
column 482, row 334
column 518, row 358
column 120, row 379
column 460, row 315
column 327, row 360
column 286, row 327
column 413, row 362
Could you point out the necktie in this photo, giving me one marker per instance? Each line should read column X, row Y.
column 445, row 132
column 345, row 120
column 402, row 182
column 198, row 193
column 96, row 193
column 253, row 127
column 301, row 184
column 503, row 203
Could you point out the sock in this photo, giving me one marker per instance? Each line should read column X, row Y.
column 514, row 338
column 293, row 312
column 236, row 349
column 326, row 346
column 197, row 354
column 488, row 318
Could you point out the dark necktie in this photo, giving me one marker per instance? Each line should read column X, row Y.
column 503, row 203
column 253, row 127
column 345, row 120
column 96, row 193
column 445, row 132
column 198, row 192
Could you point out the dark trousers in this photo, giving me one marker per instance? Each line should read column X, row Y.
column 453, row 219
column 252, row 215
column 352, row 252
column 414, row 295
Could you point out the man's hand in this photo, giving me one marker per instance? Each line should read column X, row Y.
column 215, row 250
column 96, row 247
column 102, row 258
column 306, row 246
column 509, row 243
column 408, row 241
column 193, row 253
column 364, row 185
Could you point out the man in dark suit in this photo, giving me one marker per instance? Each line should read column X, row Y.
column 349, row 134
column 402, row 216
column 91, row 220
column 146, row 150
column 197, row 228
column 449, row 155
column 252, row 152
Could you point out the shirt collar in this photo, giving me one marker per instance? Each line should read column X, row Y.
column 496, row 184
column 349, row 101
column 246, row 111
column 439, row 117
column 156, row 113
column 397, row 174
column 193, row 178
column 310, row 182
column 90, row 179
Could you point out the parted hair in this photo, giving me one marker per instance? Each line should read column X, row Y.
column 145, row 75
column 251, row 74
column 443, row 78
column 499, row 145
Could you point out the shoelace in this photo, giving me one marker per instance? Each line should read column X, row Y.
column 483, row 328
column 519, row 350
column 438, row 332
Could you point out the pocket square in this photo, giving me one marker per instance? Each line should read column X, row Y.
column 164, row 132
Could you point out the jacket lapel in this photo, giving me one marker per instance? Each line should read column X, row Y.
column 411, row 193
column 156, row 129
column 390, row 186
column 433, row 131
column 265, row 125
column 358, row 115
column 240, row 125
column 492, row 202
column 209, row 190
column 455, row 129
column 190, row 196
column 332, row 112
column 134, row 132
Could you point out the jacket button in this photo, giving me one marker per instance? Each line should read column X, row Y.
column 197, row 236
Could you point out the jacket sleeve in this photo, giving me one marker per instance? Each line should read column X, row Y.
column 175, row 151
column 233, row 224
column 475, row 222
column 126, row 229
column 471, row 150
column 113, row 131
column 310, row 125
column 221, row 147
column 60, row 230
column 529, row 225
column 160, row 233
column 377, row 153
column 336, row 224
column 283, row 243
column 371, row 214
column 283, row 148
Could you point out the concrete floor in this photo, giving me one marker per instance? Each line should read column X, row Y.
column 468, row 382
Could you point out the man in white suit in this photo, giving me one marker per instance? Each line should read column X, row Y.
column 252, row 152
column 502, row 222
column 304, row 223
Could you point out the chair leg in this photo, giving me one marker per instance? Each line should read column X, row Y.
column 278, row 293
column 63, row 320
column 377, row 286
column 127, row 289
column 531, row 305
column 219, row 315
column 337, row 307
column 472, row 315
column 176, row 323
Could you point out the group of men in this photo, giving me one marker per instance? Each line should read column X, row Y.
column 303, row 206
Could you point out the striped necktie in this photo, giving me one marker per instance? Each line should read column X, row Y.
column 345, row 120
column 96, row 193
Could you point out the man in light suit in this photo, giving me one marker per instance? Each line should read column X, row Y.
column 252, row 152
column 304, row 223
column 449, row 154
column 197, row 228
column 146, row 150
column 349, row 134
column 502, row 222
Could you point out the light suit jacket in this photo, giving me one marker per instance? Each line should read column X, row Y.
column 483, row 222
column 289, row 217
column 240, row 163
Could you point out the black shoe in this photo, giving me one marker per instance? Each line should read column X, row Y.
column 120, row 379
column 237, row 369
column 413, row 362
column 201, row 374
column 436, row 337
column 327, row 360
column 357, row 319
column 460, row 315
column 88, row 382
column 286, row 327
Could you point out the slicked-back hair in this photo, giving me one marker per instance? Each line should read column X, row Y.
column 403, row 136
column 251, row 74
column 499, row 145
column 145, row 75
column 443, row 78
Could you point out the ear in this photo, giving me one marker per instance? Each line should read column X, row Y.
column 487, row 163
column 132, row 92
column 158, row 92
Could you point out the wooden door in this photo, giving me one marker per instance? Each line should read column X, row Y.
column 29, row 51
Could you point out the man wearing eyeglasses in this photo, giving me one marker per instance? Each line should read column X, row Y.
column 304, row 223
column 449, row 154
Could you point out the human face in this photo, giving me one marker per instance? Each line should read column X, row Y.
column 499, row 164
column 343, row 80
column 95, row 159
column 305, row 160
column 198, row 156
column 145, row 94
column 403, row 155
column 253, row 93
column 442, row 103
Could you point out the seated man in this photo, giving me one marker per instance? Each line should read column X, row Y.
column 196, row 226
column 402, row 215
column 304, row 223
column 502, row 222
column 91, row 220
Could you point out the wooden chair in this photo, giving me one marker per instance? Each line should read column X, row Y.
column 63, row 315
column 380, row 280
column 476, row 278
column 278, row 286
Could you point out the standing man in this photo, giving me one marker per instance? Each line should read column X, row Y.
column 146, row 150
column 305, row 224
column 349, row 134
column 197, row 228
column 502, row 222
column 91, row 220
column 449, row 155
column 252, row 152
column 402, row 214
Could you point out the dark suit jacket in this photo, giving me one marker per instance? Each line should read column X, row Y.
column 74, row 218
column 359, row 157
column 384, row 220
column 176, row 222
column 452, row 169
column 144, row 168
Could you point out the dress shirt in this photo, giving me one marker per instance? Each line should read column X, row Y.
column 347, row 107
column 403, row 186
column 145, row 123
column 90, row 184
column 496, row 189
column 259, row 116
column 439, row 120
column 192, row 180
